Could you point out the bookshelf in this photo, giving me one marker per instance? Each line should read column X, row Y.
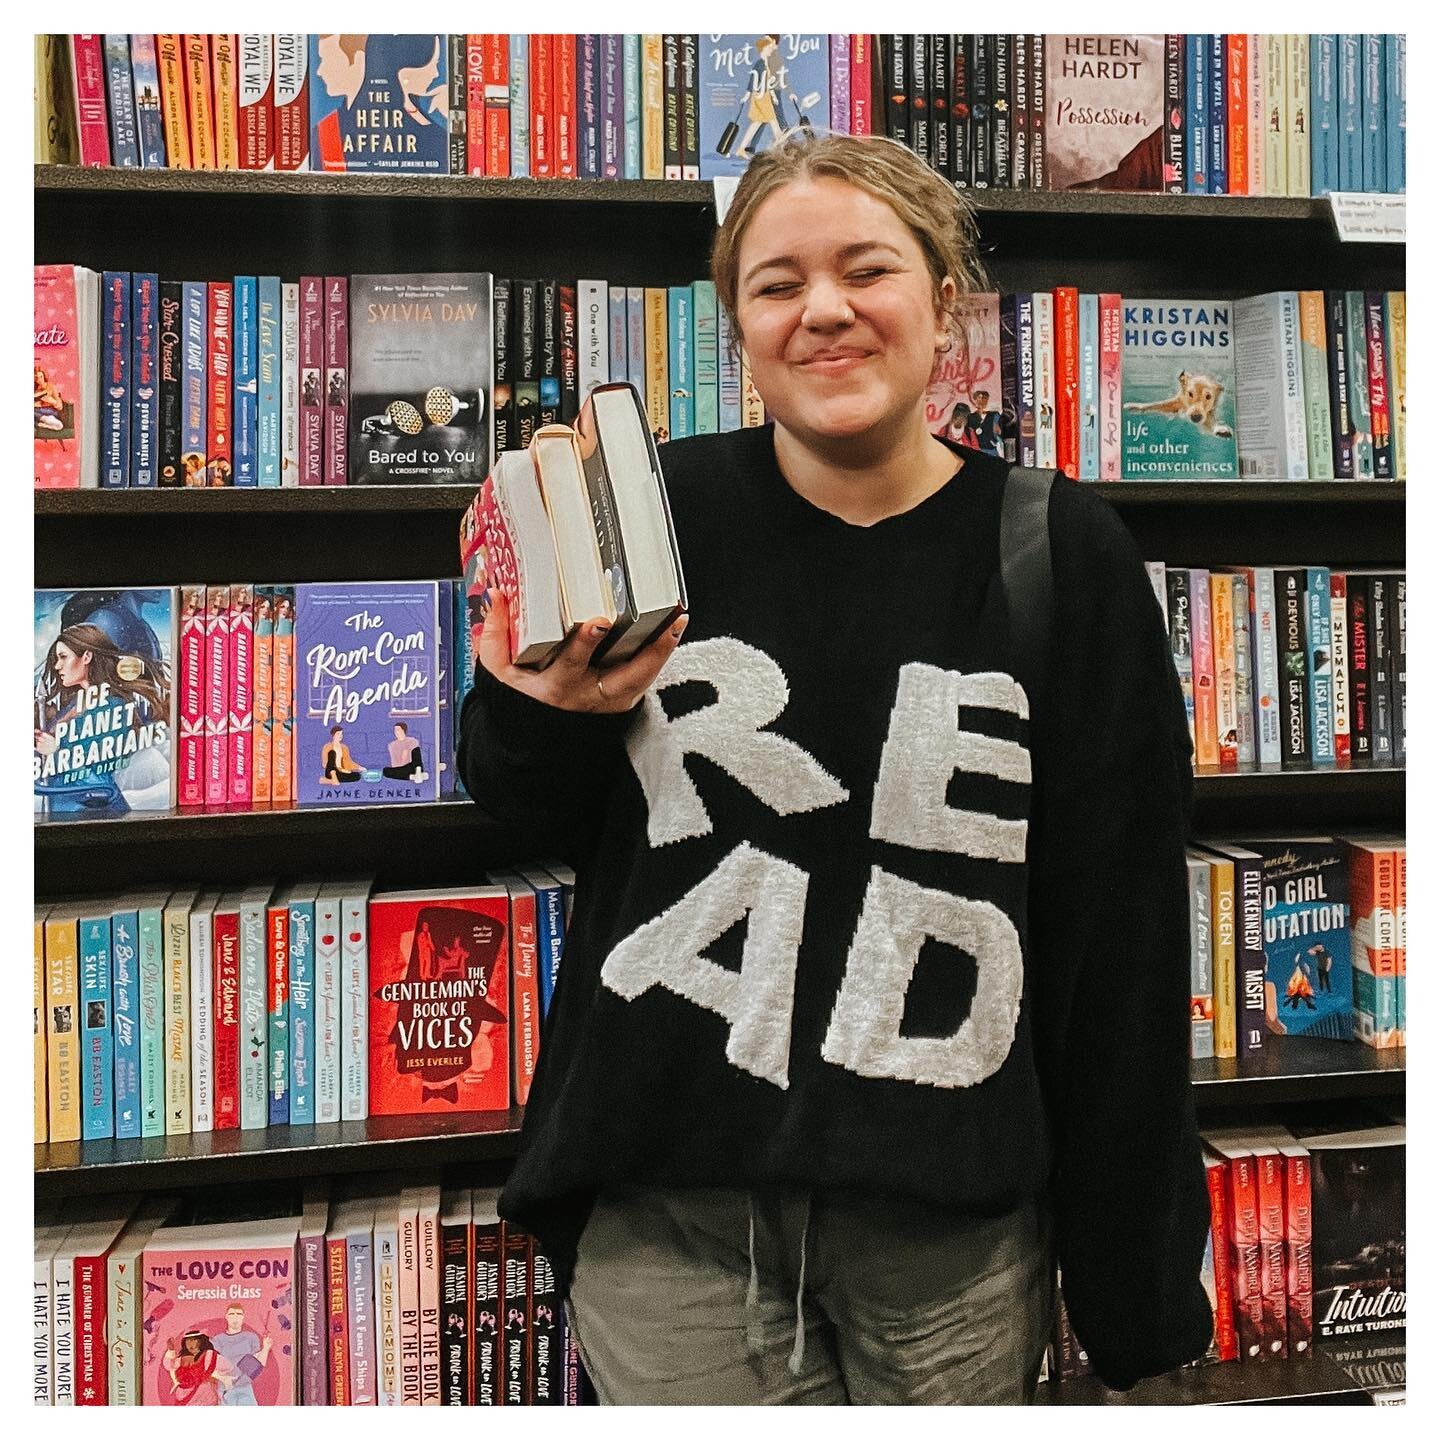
column 219, row 224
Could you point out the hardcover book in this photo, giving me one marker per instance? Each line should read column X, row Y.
column 421, row 376
column 367, row 692
column 756, row 89
column 439, row 1012
column 67, row 375
column 1105, row 112
column 963, row 401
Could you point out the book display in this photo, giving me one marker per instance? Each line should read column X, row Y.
column 337, row 336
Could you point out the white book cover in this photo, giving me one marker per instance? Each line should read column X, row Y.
column 1265, row 642
column 1044, row 380
column 327, row 1005
column 290, row 384
column 354, row 999
column 635, row 347
column 48, row 1238
column 254, row 1009
column 1255, row 117
column 1244, row 670
column 104, row 1220
column 592, row 298
column 123, row 1300
column 1269, row 387
column 428, row 1213
column 387, row 1302
column 619, row 334
column 202, row 1013
column 176, row 923
column 62, row 1323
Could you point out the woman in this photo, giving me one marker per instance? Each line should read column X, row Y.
column 197, row 1370
column 854, row 1013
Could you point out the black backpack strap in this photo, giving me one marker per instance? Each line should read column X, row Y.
column 1025, row 576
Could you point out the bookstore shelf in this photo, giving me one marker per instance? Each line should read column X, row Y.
column 283, row 1152
column 1299, row 1068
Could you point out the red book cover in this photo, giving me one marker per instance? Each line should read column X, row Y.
column 1225, row 1344
column 1111, row 390
column 542, row 108
column 475, row 105
column 1270, row 1186
column 312, row 366
column 1067, row 380
column 91, row 1348
column 257, row 102
column 337, row 378
column 292, row 102
column 524, row 984
column 1237, row 67
column 240, row 715
column 218, row 467
column 227, row 1015
column 497, row 104
column 91, row 116
column 567, row 104
column 337, row 1328
column 191, row 699
column 217, row 694
column 1242, row 1199
column 518, row 1362
column 199, row 102
column 1299, row 1282
column 860, row 122
column 439, row 1012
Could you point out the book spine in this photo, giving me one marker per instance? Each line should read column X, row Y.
column 62, row 1329
column 277, row 1008
column 1270, row 1188
column 515, row 1248
column 960, row 116
column 1349, row 89
column 1025, row 407
column 1038, row 119
column 1317, row 669
column 227, row 1019
column 355, row 1006
column 1224, row 976
column 1237, row 115
column 246, row 428
column 752, row 407
column 170, row 66
column 1181, row 632
column 199, row 104
column 1001, row 112
column 489, row 1314
column 337, row 1326
column 525, row 357
column 171, row 357
column 690, row 107
column 254, row 1010
column 657, row 362
column 122, row 1372
column 456, row 1314
column 125, row 1021
column 1342, row 422
column 302, row 1011
column 918, row 98
column 116, row 398
column 387, row 1316
column 840, row 84
column 1358, row 365
column 1009, row 381
column 289, row 383
column 1395, row 122
column 150, row 937
column 939, row 58
column 42, row 1113
column 520, row 148
column 409, row 1290
column 1324, row 115
column 1381, row 449
column 96, row 1001
column 1320, row 460
column 91, row 1351
column 1217, row 179
column 1044, row 346
column 282, row 700
column 1258, row 123
column 202, row 1021
column 124, row 137
column 635, row 339
column 1372, row 113
column 1357, row 655
column 1174, row 131
column 1297, row 115
column 255, row 105
column 567, row 106
column 1299, row 1269
column 595, row 303
column 62, row 1051
column 707, row 359
column 1207, row 745
column 1227, row 721
column 654, row 115
column 1244, row 669
column 429, row 1292
column 549, row 335
column 176, row 923
column 224, row 51
column 671, row 101
column 292, row 102
column 542, row 108
column 1197, row 114
column 1395, row 371
column 1111, row 389
column 612, row 107
column 1274, row 161
column 1202, row 964
column 545, row 1338
column 862, row 111
column 495, row 59
column 1295, row 720
column 569, row 348
column 1396, row 598
column 360, row 1309
column 87, row 70
column 589, row 105
column 219, row 461
column 1264, row 630
column 337, row 378
column 312, row 380
column 1380, row 672
column 1020, row 124
column 467, row 147
column 632, row 130
column 1245, row 1257
column 1066, row 300
column 145, row 89
column 503, row 370
column 618, row 340
column 1339, row 667
column 682, row 362
column 268, row 382
column 313, row 1305
column 217, row 694
column 728, row 375
column 1249, row 959
column 327, row 1009
column 144, row 387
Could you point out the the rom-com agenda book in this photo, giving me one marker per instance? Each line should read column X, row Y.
column 421, row 377
column 367, row 692
column 104, row 702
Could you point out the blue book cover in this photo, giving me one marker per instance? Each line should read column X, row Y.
column 520, row 106
column 464, row 656
column 115, row 380
column 612, row 107
column 707, row 360
column 587, row 97
column 150, row 919
column 277, row 1008
column 635, row 348
column 1372, row 113
column 125, row 1002
column 145, row 76
column 366, row 693
column 1197, row 114
column 300, row 903
column 98, row 1065
column 244, row 343
column 1349, row 89
column 267, row 358
column 124, row 135
column 619, row 333
column 144, row 380
column 1395, row 114
column 1324, row 115
column 682, row 362
column 380, row 103
column 195, row 382
column 1218, row 181
column 630, row 102
column 1089, row 387
column 729, row 381
column 549, row 931
column 446, row 757
column 1317, row 665
column 755, row 90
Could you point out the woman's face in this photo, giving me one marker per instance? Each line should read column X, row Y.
column 837, row 309
column 71, row 669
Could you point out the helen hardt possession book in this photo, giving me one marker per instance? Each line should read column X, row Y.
column 421, row 377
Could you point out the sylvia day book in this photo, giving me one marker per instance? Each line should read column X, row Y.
column 367, row 692
column 421, row 377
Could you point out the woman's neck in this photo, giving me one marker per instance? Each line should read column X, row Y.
column 865, row 479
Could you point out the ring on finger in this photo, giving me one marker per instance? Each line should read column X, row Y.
column 600, row 686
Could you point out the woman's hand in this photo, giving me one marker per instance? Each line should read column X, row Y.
column 570, row 682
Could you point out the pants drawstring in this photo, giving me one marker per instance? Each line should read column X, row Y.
column 752, row 1294
column 797, row 1354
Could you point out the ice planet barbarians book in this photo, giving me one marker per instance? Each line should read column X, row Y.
column 421, row 379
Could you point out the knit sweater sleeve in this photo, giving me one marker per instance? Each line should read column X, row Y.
column 1110, row 939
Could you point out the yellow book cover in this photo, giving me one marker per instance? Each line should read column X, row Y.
column 170, row 58
column 1227, row 713
column 652, row 108
column 1222, row 907
column 657, row 362
column 1395, row 328
column 54, row 102
column 176, row 961
column 62, row 998
column 197, row 98
column 1297, row 115
column 752, row 407
column 223, row 51
column 1276, row 146
column 42, row 1111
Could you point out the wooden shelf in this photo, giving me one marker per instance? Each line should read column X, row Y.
column 1298, row 1068
column 282, row 1152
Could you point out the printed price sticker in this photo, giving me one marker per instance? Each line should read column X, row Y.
column 1373, row 219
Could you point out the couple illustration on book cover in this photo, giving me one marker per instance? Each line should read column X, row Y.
column 215, row 1366
column 764, row 104
column 339, row 767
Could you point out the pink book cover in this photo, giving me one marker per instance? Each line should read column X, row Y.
column 312, row 371
column 429, row 1218
column 261, row 722
column 337, row 378
column 860, row 102
column 191, row 768
column 409, row 1296
column 282, row 700
column 963, row 400
column 92, row 117
column 219, row 1315
column 59, row 388
column 217, row 694
column 241, row 709
column 1111, row 388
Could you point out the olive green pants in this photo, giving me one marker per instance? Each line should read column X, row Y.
column 724, row 1297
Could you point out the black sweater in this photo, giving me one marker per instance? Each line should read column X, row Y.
column 830, row 932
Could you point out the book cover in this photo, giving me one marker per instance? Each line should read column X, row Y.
column 254, row 1007
column 292, row 102
column 277, row 1011
column 1358, row 364
column 202, row 1012
column 171, row 368
column 421, row 377
column 1217, row 130
column 335, row 465
column 240, row 704
column 439, row 1002
column 255, row 102
column 245, row 428
column 115, row 396
column 1270, row 408
column 354, row 999
column 312, row 372
column 520, row 163
column 1324, row 115
column 456, row 1304
column 753, row 91
column 219, row 464
column 62, row 1036
column 67, row 368
column 176, row 933
column 268, row 382
column 97, row 1036
column 299, row 901
column 226, row 1010
column 379, row 103
column 195, row 391
column 963, row 401
column 1179, row 383
column 199, row 101
column 1046, row 447
column 282, row 700
column 144, row 379
column 326, row 1003
column 1395, row 121
column 1321, row 708
column 125, row 1018
column 367, row 692
column 87, row 59
column 104, row 702
column 496, row 62
column 124, row 135
column 217, row 694
column 1340, row 665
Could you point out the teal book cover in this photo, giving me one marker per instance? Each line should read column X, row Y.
column 707, row 359
column 682, row 361
column 1178, row 364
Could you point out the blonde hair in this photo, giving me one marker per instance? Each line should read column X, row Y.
column 934, row 211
